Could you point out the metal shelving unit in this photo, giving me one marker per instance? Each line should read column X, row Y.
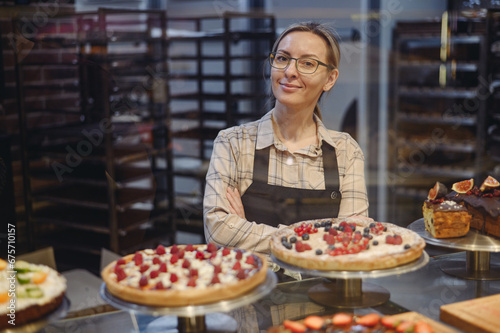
column 105, row 168
column 216, row 81
column 439, row 108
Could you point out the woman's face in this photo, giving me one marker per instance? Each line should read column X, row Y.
column 296, row 90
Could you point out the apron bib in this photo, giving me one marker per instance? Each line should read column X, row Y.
column 274, row 205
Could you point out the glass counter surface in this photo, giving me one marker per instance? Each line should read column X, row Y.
column 423, row 291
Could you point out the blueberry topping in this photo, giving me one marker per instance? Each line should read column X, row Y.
column 375, row 243
column 305, row 236
column 407, row 246
column 287, row 245
column 284, row 239
column 293, row 239
column 318, row 252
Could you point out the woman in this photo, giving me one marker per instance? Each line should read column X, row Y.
column 287, row 166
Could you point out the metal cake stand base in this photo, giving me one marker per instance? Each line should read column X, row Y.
column 352, row 293
column 210, row 323
column 345, row 289
column 477, row 246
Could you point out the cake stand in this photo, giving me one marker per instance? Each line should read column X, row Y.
column 477, row 246
column 194, row 318
column 39, row 324
column 345, row 289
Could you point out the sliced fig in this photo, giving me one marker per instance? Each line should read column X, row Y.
column 464, row 186
column 489, row 183
column 438, row 191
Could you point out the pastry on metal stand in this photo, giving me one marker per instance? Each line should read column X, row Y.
column 477, row 246
column 194, row 318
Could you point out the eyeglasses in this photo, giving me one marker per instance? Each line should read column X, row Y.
column 303, row 65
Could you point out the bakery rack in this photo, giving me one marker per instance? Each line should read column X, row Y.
column 216, row 81
column 441, row 106
column 97, row 161
column 477, row 246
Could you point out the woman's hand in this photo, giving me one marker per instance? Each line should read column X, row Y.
column 235, row 204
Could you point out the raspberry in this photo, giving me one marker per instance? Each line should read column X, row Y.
column 217, row 269
column 186, row 264
column 237, row 266
column 173, row 278
column 180, row 254
column 156, row 260
column 241, row 274
column 189, row 248
column 160, row 250
column 215, row 280
column 193, row 272
column 143, row 281
column 239, row 255
column 199, row 255
column 211, row 247
column 154, row 274
column 120, row 274
column 138, row 259
column 226, row 251
column 143, row 268
column 121, row 262
column 174, row 259
column 330, row 239
column 163, row 267
column 159, row 286
column 333, row 232
column 174, row 249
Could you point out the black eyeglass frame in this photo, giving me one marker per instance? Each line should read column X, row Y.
column 272, row 55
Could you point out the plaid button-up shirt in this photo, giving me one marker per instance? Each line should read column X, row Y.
column 231, row 165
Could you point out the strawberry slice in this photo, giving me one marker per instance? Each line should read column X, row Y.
column 226, row 251
column 314, row 322
column 369, row 320
column 341, row 319
column 389, row 322
column 163, row 267
column 237, row 266
column 250, row 260
column 422, row 327
column 405, row 326
column 294, row 326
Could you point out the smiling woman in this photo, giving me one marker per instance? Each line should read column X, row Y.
column 287, row 166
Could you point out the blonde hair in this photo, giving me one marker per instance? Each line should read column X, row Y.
column 322, row 30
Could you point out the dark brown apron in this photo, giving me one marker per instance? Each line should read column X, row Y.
column 274, row 205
